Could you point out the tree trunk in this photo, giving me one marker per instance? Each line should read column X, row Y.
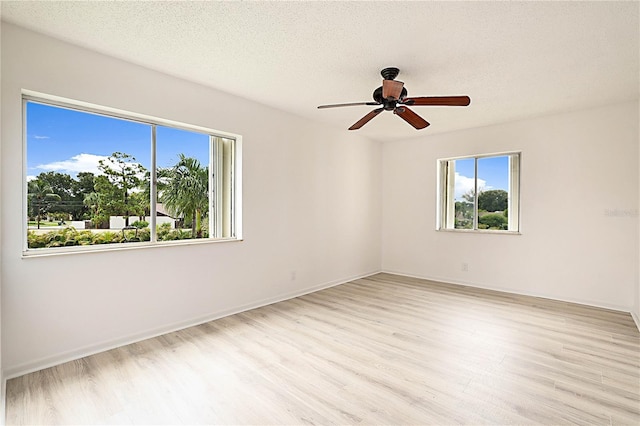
column 126, row 201
column 198, row 224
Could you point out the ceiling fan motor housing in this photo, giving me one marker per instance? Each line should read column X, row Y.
column 389, row 104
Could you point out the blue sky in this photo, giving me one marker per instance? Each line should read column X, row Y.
column 68, row 141
column 493, row 173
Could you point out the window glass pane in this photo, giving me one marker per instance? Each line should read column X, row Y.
column 464, row 187
column 89, row 179
column 183, row 184
column 86, row 177
column 480, row 193
column 493, row 192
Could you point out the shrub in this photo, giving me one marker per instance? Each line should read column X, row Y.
column 85, row 238
column 34, row 240
column 140, row 224
column 107, row 237
column 69, row 236
column 176, row 234
column 165, row 233
column 58, row 238
column 144, row 234
column 493, row 221
column 130, row 235
column 163, row 230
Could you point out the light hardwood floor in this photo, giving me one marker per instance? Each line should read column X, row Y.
column 380, row 350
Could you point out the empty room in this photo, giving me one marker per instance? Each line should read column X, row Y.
column 320, row 212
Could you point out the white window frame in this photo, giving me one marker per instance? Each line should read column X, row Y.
column 223, row 226
column 445, row 214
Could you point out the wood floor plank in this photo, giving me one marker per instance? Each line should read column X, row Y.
column 385, row 349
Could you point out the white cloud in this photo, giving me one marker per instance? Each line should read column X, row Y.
column 465, row 184
column 77, row 163
column 40, row 137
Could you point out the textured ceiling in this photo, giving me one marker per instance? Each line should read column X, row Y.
column 514, row 59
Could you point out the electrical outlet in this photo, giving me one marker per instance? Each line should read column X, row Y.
column 293, row 275
column 464, row 267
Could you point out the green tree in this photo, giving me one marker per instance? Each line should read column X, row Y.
column 41, row 198
column 464, row 211
column 463, row 215
column 60, row 184
column 469, row 196
column 82, row 186
column 92, row 202
column 185, row 191
column 109, row 196
column 494, row 200
column 141, row 200
column 125, row 174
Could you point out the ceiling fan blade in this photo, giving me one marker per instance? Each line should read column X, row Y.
column 364, row 120
column 411, row 117
column 438, row 101
column 391, row 89
column 347, row 104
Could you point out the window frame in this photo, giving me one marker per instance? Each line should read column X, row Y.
column 445, row 220
column 234, row 173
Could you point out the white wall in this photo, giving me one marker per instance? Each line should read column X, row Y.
column 579, row 209
column 636, row 310
column 311, row 205
column 2, row 380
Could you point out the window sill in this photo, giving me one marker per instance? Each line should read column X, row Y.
column 479, row 231
column 60, row 251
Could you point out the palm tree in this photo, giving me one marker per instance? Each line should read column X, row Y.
column 92, row 201
column 185, row 191
column 41, row 196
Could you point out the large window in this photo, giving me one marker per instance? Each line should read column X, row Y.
column 479, row 193
column 96, row 177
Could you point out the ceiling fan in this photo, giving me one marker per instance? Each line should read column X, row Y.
column 392, row 96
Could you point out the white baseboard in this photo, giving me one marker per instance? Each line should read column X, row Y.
column 3, row 403
column 612, row 307
column 50, row 361
column 636, row 320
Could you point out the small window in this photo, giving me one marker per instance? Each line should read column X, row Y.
column 479, row 193
column 99, row 178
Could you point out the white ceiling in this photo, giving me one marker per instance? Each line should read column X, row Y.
column 514, row 59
